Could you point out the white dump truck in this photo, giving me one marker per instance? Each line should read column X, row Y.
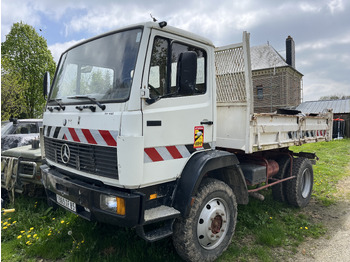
column 153, row 125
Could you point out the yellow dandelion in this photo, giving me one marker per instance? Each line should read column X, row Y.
column 29, row 236
column 62, row 221
column 49, row 234
column 9, row 218
column 4, row 227
column 14, row 222
column 20, row 236
column 5, row 223
column 306, row 228
column 82, row 241
column 30, row 229
column 35, row 235
column 270, row 217
column 301, row 227
column 22, row 231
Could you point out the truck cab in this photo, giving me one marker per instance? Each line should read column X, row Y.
column 125, row 112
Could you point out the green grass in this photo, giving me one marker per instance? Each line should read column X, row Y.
column 36, row 231
column 331, row 168
column 267, row 225
column 265, row 231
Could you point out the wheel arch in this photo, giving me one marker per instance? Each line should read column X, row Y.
column 234, row 177
column 213, row 163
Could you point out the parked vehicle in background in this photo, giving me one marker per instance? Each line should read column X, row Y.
column 20, row 170
column 19, row 132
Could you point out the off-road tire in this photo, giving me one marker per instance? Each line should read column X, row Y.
column 299, row 189
column 214, row 199
column 279, row 190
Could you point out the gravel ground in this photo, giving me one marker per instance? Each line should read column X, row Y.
column 335, row 245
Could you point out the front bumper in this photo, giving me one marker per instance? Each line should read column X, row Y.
column 86, row 196
column 17, row 172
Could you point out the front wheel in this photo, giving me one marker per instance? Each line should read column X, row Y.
column 299, row 189
column 207, row 232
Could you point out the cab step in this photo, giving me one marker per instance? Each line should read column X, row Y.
column 158, row 222
column 158, row 233
column 160, row 213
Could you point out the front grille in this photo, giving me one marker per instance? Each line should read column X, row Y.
column 97, row 160
column 26, row 168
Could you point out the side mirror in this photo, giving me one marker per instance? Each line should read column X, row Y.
column 187, row 73
column 46, row 84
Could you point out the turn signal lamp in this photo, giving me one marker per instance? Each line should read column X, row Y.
column 120, row 206
column 152, row 196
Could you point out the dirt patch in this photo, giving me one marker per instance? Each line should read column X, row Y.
column 344, row 189
column 335, row 245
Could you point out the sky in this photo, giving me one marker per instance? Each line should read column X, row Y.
column 320, row 28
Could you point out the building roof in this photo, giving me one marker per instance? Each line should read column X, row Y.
column 341, row 106
column 265, row 56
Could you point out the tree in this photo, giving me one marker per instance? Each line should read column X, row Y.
column 334, row 97
column 28, row 55
column 12, row 99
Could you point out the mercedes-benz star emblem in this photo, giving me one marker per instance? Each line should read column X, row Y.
column 65, row 153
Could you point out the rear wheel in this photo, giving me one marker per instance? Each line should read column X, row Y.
column 206, row 233
column 299, row 189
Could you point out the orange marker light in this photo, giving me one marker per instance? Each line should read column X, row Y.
column 120, row 206
column 153, row 196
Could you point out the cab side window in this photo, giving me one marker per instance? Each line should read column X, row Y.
column 163, row 69
column 177, row 50
column 158, row 75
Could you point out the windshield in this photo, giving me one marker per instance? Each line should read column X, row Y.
column 20, row 128
column 101, row 69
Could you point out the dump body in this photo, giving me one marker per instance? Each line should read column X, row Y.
column 238, row 127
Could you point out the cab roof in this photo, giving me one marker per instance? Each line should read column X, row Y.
column 153, row 25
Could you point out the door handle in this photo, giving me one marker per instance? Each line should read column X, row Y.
column 207, row 122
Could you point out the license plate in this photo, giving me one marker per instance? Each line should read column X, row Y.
column 66, row 203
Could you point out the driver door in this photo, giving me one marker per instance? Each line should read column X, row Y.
column 174, row 126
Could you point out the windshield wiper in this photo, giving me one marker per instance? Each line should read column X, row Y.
column 59, row 107
column 59, row 104
column 103, row 107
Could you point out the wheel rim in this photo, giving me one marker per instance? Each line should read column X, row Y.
column 213, row 223
column 306, row 183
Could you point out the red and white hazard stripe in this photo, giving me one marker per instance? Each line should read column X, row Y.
column 321, row 132
column 163, row 153
column 109, row 138
column 89, row 136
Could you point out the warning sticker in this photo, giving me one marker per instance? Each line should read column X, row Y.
column 198, row 136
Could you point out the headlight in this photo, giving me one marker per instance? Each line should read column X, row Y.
column 112, row 204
